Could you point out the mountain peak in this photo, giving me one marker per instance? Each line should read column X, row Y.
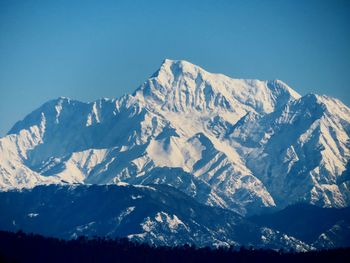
column 178, row 62
column 176, row 68
column 181, row 86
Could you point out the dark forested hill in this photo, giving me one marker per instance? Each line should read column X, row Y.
column 21, row 247
column 155, row 214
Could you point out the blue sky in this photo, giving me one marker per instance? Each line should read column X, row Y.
column 91, row 49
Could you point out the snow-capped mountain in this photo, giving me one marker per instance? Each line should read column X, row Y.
column 230, row 143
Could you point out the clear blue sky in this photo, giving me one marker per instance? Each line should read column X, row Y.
column 91, row 49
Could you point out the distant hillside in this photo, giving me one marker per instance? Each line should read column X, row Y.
column 321, row 227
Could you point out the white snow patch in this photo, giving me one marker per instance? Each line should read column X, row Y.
column 31, row 215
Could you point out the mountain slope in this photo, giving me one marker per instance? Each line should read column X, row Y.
column 322, row 227
column 303, row 151
column 156, row 214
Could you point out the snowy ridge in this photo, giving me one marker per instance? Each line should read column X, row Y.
column 232, row 143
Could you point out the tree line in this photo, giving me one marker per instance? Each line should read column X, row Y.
column 22, row 247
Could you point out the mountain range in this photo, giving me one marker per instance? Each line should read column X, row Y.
column 245, row 146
